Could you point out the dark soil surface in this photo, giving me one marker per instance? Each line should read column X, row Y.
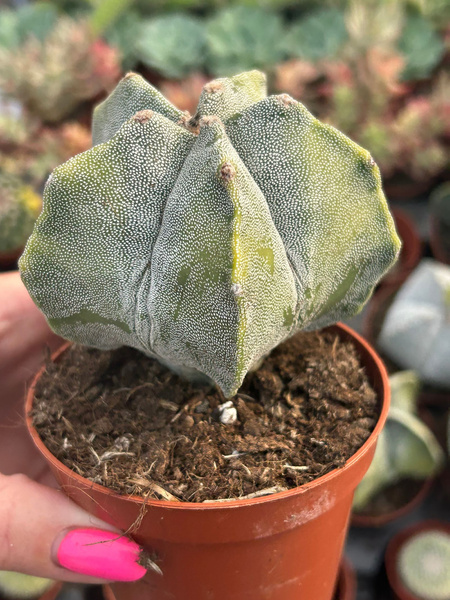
column 125, row 421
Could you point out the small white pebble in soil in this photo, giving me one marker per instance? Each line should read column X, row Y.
column 228, row 414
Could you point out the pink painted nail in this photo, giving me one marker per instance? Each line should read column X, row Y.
column 100, row 554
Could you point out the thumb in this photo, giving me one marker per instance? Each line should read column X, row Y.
column 43, row 533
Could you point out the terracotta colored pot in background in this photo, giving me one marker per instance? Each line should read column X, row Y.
column 346, row 583
column 410, row 253
column 365, row 520
column 393, row 549
column 281, row 547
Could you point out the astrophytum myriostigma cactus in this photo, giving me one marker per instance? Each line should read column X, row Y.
column 205, row 241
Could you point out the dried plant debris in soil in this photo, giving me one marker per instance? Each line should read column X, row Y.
column 124, row 421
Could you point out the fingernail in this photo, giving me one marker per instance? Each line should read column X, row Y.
column 100, row 554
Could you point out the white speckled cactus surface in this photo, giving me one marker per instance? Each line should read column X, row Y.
column 207, row 241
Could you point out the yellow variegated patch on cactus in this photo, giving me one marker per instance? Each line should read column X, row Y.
column 206, row 241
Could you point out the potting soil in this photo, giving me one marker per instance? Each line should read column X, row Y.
column 124, row 421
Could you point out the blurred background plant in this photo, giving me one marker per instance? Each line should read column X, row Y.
column 406, row 449
column 376, row 69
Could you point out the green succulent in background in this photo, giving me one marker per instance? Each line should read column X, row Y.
column 205, row 242
column 17, row 585
column 173, row 44
column 423, row 565
column 243, row 37
column 421, row 47
column 19, row 208
column 29, row 21
column 415, row 333
column 123, row 35
column 406, row 448
column 319, row 34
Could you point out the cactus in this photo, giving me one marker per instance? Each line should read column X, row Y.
column 243, row 37
column 416, row 331
column 17, row 585
column 172, row 44
column 206, row 241
column 19, row 208
column 421, row 47
column 52, row 78
column 320, row 34
column 423, row 565
column 406, row 448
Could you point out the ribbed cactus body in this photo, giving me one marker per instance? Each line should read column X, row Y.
column 19, row 208
column 206, row 241
column 424, row 565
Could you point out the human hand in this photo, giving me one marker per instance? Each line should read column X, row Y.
column 41, row 530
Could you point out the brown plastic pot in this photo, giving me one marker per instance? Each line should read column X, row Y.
column 345, row 585
column 379, row 520
column 410, row 253
column 400, row 592
column 280, row 547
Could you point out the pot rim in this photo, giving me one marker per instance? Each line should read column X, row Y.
column 384, row 398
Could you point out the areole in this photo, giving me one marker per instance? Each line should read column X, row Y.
column 280, row 547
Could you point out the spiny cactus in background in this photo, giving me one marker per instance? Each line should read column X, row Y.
column 321, row 34
column 52, row 78
column 19, row 208
column 423, row 565
column 243, row 37
column 421, row 47
column 30, row 152
column 207, row 241
column 172, row 44
column 17, row 585
column 406, row 448
column 416, row 331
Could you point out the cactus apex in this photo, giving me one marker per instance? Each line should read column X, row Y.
column 143, row 116
column 286, row 100
column 227, row 172
column 213, row 87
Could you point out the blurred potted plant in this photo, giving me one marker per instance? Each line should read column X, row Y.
column 440, row 223
column 406, row 451
column 53, row 76
column 19, row 208
column 15, row 586
column 417, row 562
column 220, row 237
column 415, row 332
